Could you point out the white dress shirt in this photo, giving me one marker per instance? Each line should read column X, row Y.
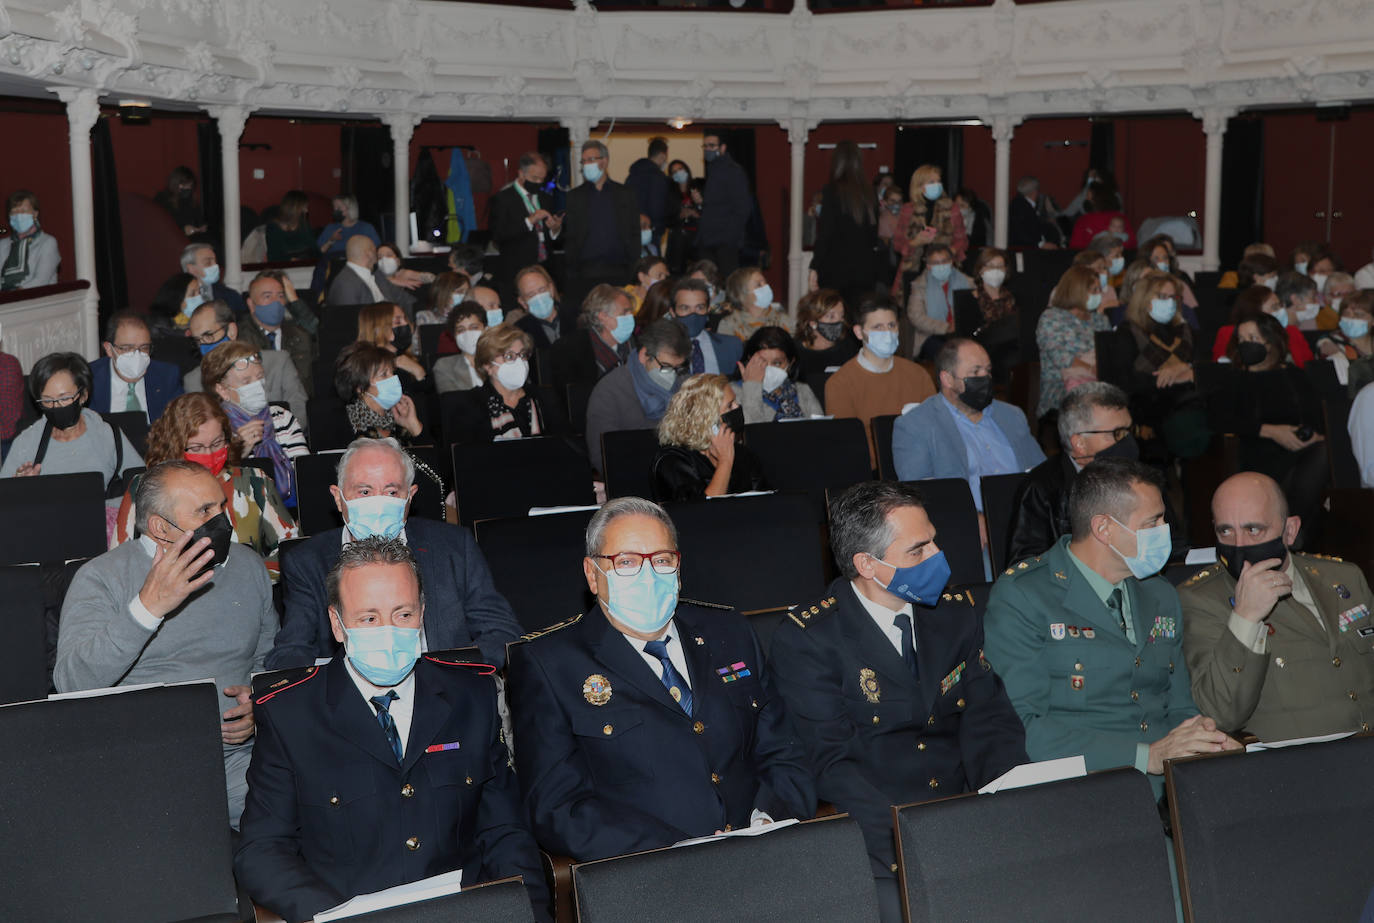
column 883, row 617
column 710, row 365
column 1255, row 635
column 366, row 275
column 119, row 392
column 402, row 710
column 675, row 653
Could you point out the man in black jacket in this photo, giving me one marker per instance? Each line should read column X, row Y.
column 601, row 231
column 1029, row 223
column 522, row 227
column 726, row 204
column 651, row 186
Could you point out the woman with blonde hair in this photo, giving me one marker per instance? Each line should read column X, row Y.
column 385, row 324
column 450, row 289
column 699, row 452
column 1065, row 335
column 194, row 427
column 751, row 305
column 928, row 217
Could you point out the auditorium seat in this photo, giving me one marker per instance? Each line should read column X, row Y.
column 24, row 655
column 999, row 509
column 317, row 471
column 429, row 342
column 1082, row 849
column 114, row 809
column 558, row 540
column 949, row 504
column 52, row 518
column 1274, row 835
column 627, row 457
column 811, row 455
column 326, row 418
column 579, row 395
column 813, row 871
column 509, row 478
column 504, row 901
column 134, row 426
column 882, row 438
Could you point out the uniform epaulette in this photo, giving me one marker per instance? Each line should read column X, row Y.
column 287, row 680
column 1322, row 557
column 485, row 669
column 801, row 615
column 1201, row 575
column 531, row 635
column 959, row 596
column 1022, row 566
column 705, row 605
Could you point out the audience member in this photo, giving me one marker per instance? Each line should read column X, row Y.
column 1159, row 252
column 658, row 300
column 289, row 235
column 601, row 227
column 384, row 325
column 1162, row 340
column 173, row 303
column 963, row 433
column 601, row 343
column 1364, row 276
column 701, row 450
column 928, row 218
column 930, row 307
column 648, row 271
column 1257, row 269
column 449, row 290
column 677, row 754
column 490, row 300
column 178, row 197
column 403, row 715
column 876, row 381
column 367, row 381
column 1360, row 426
column 179, row 604
column 917, row 744
column 1339, row 286
column 1273, row 636
column 70, row 437
column 466, row 322
column 725, row 207
column 1323, row 264
column 1101, row 205
column 1055, row 625
column 707, row 272
column 270, row 296
column 1100, row 266
column 846, row 256
column 751, row 305
column 537, row 294
column 1258, row 300
column 1065, row 336
column 1113, row 251
column 374, row 490
column 769, row 389
column 1031, row 220
column 651, row 187
column 233, row 372
column 997, row 328
column 28, row 255
column 362, row 281
column 521, row 225
column 712, row 353
column 408, row 280
column 635, row 395
column 888, row 209
column 503, row 407
column 343, row 224
column 976, row 216
column 127, row 379
column 823, row 334
column 195, row 429
column 212, row 324
column 1351, row 338
column 200, row 260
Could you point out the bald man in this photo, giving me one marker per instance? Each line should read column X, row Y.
column 1278, row 643
column 361, row 282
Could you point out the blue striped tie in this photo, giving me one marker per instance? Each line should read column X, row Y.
column 388, row 723
column 677, row 686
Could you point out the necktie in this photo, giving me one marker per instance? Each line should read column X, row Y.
column 131, row 402
column 903, row 622
column 698, row 359
column 1114, row 603
column 383, row 705
column 677, row 686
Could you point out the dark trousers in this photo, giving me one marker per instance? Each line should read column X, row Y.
column 582, row 279
column 726, row 259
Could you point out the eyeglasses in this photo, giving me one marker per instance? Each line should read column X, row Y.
column 146, row 349
column 678, row 370
column 61, row 400
column 1118, row 434
column 210, row 336
column 511, row 357
column 197, row 449
column 630, row 563
column 242, row 364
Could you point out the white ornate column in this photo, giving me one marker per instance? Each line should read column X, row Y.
column 83, row 108
column 1214, row 126
column 230, row 121
column 579, row 131
column 1003, row 127
column 798, row 129
column 402, row 125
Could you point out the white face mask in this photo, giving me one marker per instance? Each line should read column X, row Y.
column 467, row 341
column 132, row 365
column 763, row 296
column 252, row 397
column 388, row 265
column 513, row 374
column 773, row 378
column 993, row 278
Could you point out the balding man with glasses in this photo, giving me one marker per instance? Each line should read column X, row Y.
column 650, row 719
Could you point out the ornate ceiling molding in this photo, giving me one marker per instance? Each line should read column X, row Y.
column 458, row 60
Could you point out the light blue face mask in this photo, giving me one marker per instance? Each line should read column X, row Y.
column 494, row 317
column 1354, row 327
column 941, row 271
column 1299, row 267
column 376, row 516
column 763, row 296
column 541, row 305
column 591, row 172
column 1094, row 301
column 1102, row 278
column 933, row 191
column 624, row 328
column 1118, row 264
column 1162, row 266
column 680, row 176
column 211, row 275
column 882, row 343
column 21, row 222
column 457, row 298
column 646, row 236
column 1281, row 315
column 384, row 654
column 388, row 392
column 1162, row 310
column 193, row 302
column 271, row 314
column 1152, row 548
column 644, row 602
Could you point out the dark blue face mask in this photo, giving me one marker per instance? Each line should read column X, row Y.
column 205, row 348
column 920, row 583
column 693, row 324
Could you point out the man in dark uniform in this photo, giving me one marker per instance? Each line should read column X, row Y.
column 380, row 768
column 647, row 720
column 895, row 702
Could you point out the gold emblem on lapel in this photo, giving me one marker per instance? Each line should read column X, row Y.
column 868, row 682
column 596, row 689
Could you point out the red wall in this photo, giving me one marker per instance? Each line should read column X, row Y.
column 145, row 154
column 304, row 154
column 1161, row 166
column 499, row 145
column 36, row 157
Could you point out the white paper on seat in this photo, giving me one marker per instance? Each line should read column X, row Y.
column 1295, row 742
column 758, row 830
column 907, row 408
column 1201, row 556
column 814, row 416
column 745, row 493
column 550, row 510
column 1068, row 767
column 423, row 890
column 116, row 690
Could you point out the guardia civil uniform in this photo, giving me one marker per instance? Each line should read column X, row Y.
column 1306, row 670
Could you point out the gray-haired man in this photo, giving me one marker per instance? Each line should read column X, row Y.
column 600, row 230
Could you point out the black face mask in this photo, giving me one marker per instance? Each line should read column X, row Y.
column 1126, row 448
column 218, row 531
column 532, row 188
column 338, row 216
column 1251, row 353
column 1235, row 556
column 63, row 417
column 831, row 330
column 977, row 392
column 735, row 420
column 402, row 341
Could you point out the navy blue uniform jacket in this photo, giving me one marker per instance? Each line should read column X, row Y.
column 162, row 383
column 877, row 739
column 462, row 606
column 330, row 815
column 637, row 772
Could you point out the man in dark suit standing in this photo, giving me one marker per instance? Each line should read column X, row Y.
column 1029, row 223
column 648, row 720
column 652, row 188
column 376, row 483
column 384, row 767
column 725, row 208
column 521, row 225
column 895, row 701
column 601, row 231
column 126, row 378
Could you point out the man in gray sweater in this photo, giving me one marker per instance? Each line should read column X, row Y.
column 181, row 603
column 636, row 395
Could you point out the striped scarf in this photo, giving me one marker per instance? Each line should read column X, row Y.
column 282, row 471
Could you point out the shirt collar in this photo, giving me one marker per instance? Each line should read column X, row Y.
column 868, row 366
column 880, row 613
column 360, row 270
column 1100, row 584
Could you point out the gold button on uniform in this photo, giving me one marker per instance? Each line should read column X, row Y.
column 698, row 727
column 1353, row 696
column 1137, row 663
column 960, row 703
column 1364, row 726
column 407, row 790
column 412, row 843
column 1335, row 661
column 894, row 866
column 921, row 745
column 468, row 780
column 930, row 720
column 1281, row 662
column 1078, row 666
column 1237, row 669
column 608, row 730
column 334, row 800
column 875, row 719
column 934, row 783
column 1144, row 725
column 1135, row 696
column 715, row 779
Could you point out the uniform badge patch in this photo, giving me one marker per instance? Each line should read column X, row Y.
column 983, row 660
column 948, row 682
column 1076, row 681
column 1165, row 626
column 868, row 682
column 1352, row 615
column 1341, row 591
column 1089, row 633
column 596, row 689
column 1367, row 631
column 1057, row 631
column 1073, row 631
column 733, row 672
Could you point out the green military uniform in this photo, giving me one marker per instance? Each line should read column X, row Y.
column 1291, row 675
column 1082, row 682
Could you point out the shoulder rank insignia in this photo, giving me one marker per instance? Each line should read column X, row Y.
column 531, row 635
column 1326, row 557
column 802, row 614
column 948, row 682
column 868, row 682
column 1198, row 577
column 287, row 680
column 596, row 689
column 705, row 605
column 983, row 660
